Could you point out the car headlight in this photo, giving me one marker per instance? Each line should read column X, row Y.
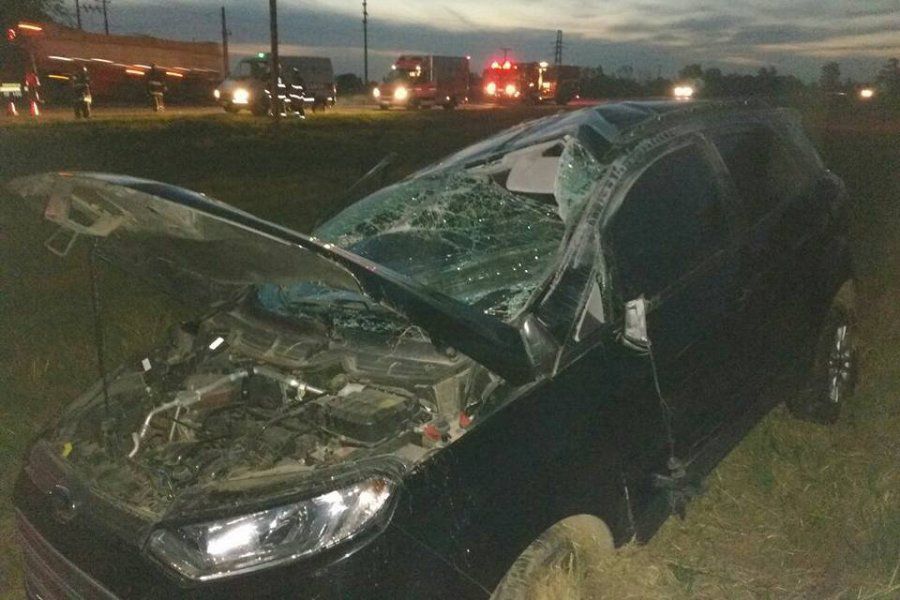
column 491, row 88
column 401, row 93
column 217, row 94
column 376, row 93
column 240, row 96
column 215, row 549
column 510, row 89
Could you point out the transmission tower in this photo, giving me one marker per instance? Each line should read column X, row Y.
column 558, row 48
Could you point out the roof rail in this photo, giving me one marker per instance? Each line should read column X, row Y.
column 657, row 119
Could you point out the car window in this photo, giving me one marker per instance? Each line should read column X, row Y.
column 763, row 169
column 671, row 219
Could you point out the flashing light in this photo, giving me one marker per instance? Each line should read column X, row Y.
column 401, row 93
column 134, row 72
column 491, row 88
column 30, row 27
column 260, row 55
column 867, row 93
column 495, row 65
column 240, row 96
column 393, row 67
column 10, row 35
column 543, row 64
column 683, row 92
column 376, row 93
column 507, row 65
column 174, row 74
column 510, row 89
column 217, row 94
column 546, row 85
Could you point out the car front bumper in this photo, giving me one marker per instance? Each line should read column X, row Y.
column 84, row 558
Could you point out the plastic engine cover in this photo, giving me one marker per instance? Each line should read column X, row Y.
column 368, row 416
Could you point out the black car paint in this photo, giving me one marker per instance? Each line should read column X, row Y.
column 595, row 439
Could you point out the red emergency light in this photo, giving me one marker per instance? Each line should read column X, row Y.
column 11, row 34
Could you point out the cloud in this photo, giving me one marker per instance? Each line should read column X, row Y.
column 649, row 35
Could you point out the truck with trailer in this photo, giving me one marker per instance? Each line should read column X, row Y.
column 117, row 64
column 425, row 81
column 246, row 87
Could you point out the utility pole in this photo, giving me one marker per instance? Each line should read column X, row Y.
column 225, row 66
column 105, row 17
column 558, row 48
column 78, row 13
column 273, row 57
column 365, row 44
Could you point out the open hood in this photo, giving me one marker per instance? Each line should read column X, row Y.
column 207, row 251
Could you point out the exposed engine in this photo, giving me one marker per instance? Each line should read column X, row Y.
column 231, row 399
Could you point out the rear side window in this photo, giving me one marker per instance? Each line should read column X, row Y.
column 764, row 170
column 672, row 219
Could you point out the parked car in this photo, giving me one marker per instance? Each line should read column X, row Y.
column 248, row 86
column 531, row 349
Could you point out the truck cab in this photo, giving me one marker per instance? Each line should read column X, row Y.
column 425, row 81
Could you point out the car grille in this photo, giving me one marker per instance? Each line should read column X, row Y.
column 49, row 575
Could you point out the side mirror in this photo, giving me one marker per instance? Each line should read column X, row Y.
column 634, row 335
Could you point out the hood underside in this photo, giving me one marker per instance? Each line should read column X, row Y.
column 207, row 251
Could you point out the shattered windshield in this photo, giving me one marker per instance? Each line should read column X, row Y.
column 486, row 236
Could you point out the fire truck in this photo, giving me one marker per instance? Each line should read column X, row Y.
column 423, row 81
column 117, row 64
column 502, row 82
column 507, row 81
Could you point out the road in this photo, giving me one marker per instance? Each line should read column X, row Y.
column 61, row 113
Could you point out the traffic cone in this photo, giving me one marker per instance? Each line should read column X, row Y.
column 34, row 111
column 11, row 109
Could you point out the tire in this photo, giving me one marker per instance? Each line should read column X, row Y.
column 830, row 376
column 552, row 565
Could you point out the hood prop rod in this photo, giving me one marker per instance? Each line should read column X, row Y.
column 98, row 325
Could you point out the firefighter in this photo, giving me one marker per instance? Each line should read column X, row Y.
column 297, row 93
column 156, row 88
column 32, row 89
column 81, row 93
column 278, row 102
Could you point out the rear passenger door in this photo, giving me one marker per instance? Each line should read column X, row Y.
column 779, row 221
column 672, row 242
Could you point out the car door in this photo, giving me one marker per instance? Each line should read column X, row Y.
column 780, row 217
column 671, row 241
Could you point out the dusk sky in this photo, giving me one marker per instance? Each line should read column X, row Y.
column 651, row 36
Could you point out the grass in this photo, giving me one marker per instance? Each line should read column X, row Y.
column 796, row 511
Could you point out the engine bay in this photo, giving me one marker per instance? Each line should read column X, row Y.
column 233, row 399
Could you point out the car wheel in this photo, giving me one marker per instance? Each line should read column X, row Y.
column 554, row 564
column 831, row 376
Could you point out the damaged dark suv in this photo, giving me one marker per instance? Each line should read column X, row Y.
column 537, row 345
